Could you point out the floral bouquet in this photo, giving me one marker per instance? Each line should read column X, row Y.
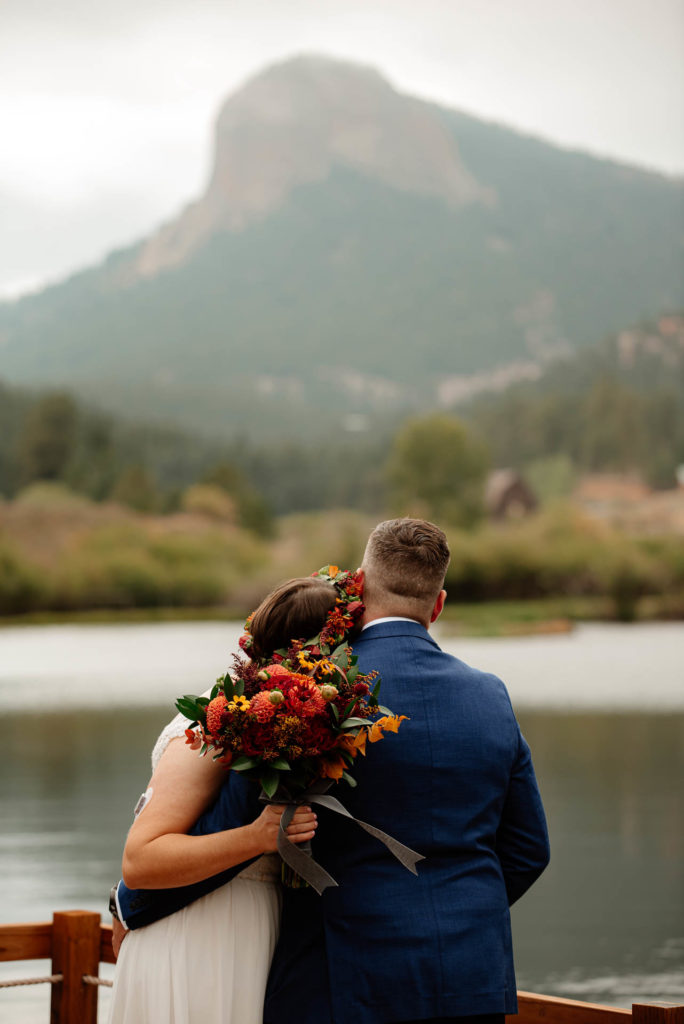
column 296, row 723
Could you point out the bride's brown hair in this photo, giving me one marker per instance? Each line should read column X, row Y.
column 296, row 610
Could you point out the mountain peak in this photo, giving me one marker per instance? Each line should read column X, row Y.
column 291, row 125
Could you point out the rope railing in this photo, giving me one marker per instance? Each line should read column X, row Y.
column 77, row 943
column 50, row 979
column 90, row 979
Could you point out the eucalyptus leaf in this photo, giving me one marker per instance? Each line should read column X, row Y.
column 349, row 779
column 281, row 764
column 243, row 763
column 269, row 780
column 354, row 723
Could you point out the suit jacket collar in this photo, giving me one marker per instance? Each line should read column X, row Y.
column 405, row 627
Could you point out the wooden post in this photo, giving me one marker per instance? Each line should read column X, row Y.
column 75, row 952
column 657, row 1013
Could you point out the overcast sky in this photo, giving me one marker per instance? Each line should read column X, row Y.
column 106, row 106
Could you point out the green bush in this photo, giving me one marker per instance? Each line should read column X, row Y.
column 559, row 552
column 21, row 586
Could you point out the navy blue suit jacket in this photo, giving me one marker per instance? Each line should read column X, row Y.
column 456, row 784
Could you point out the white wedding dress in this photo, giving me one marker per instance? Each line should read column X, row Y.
column 207, row 963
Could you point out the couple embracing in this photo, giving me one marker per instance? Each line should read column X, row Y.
column 213, row 935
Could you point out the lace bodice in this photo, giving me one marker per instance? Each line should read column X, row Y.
column 172, row 731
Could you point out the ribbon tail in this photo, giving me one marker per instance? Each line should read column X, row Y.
column 404, row 854
column 305, row 866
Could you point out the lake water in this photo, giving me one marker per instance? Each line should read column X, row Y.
column 602, row 708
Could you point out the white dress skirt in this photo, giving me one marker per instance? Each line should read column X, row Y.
column 207, row 963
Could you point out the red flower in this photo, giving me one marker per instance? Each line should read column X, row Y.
column 304, row 698
column 273, row 677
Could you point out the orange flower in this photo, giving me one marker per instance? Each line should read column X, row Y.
column 193, row 738
column 333, row 570
column 215, row 710
column 332, row 768
column 390, row 723
column 352, row 744
column 360, row 740
column 375, row 732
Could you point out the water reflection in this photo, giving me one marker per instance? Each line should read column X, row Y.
column 605, row 922
column 609, row 907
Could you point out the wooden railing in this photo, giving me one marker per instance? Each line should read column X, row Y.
column 77, row 943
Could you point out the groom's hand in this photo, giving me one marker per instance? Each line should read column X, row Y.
column 301, row 828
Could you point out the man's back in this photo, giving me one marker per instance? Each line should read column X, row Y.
column 457, row 785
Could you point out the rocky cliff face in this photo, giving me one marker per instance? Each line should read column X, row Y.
column 291, row 125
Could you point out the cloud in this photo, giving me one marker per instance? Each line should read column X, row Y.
column 118, row 97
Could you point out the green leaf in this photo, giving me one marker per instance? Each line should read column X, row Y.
column 269, row 780
column 239, row 687
column 352, row 674
column 339, row 655
column 228, row 687
column 376, row 689
column 349, row 779
column 281, row 764
column 335, row 713
column 383, row 710
column 203, row 749
column 189, row 707
column 354, row 723
column 243, row 763
column 203, row 701
column 349, row 706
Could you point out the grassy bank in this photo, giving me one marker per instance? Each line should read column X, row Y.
column 63, row 558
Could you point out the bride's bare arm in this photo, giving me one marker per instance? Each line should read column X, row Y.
column 159, row 855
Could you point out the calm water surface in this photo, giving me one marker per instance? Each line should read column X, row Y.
column 602, row 708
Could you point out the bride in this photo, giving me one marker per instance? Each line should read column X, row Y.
column 210, row 960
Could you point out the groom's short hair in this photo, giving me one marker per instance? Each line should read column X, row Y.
column 404, row 565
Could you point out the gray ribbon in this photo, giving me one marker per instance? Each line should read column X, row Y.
column 303, row 863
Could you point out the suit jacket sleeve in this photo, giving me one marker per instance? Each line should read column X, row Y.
column 235, row 805
column 522, row 839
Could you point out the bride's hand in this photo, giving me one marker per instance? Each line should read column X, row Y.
column 302, row 827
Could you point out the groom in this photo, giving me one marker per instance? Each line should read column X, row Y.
column 457, row 785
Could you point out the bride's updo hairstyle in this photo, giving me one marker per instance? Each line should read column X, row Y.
column 296, row 610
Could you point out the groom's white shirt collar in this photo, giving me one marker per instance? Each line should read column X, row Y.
column 388, row 618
